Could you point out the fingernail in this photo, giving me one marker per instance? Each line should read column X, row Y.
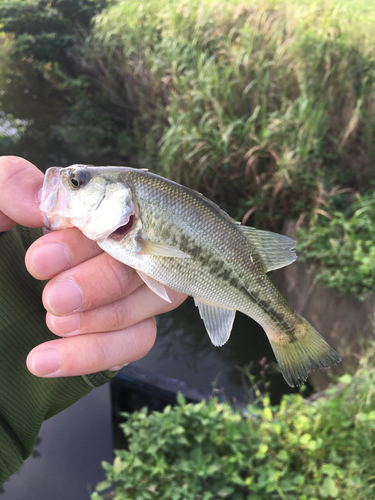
column 49, row 259
column 64, row 297
column 65, row 325
column 45, row 362
column 118, row 367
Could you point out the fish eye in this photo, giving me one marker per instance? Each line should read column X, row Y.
column 76, row 179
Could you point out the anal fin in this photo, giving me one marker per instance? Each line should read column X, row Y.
column 217, row 320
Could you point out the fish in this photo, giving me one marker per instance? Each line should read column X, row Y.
column 175, row 237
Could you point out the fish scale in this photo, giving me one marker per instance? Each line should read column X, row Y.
column 175, row 237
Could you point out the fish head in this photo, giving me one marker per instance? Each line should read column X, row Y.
column 92, row 199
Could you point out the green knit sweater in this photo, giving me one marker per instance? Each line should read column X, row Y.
column 26, row 400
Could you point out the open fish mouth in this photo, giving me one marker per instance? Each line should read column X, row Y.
column 120, row 233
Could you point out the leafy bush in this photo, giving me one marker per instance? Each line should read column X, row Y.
column 296, row 451
column 343, row 242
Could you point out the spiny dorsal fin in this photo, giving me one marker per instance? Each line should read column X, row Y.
column 275, row 250
column 217, row 320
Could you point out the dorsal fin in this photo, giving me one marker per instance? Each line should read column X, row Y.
column 275, row 250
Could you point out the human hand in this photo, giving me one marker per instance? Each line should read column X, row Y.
column 98, row 305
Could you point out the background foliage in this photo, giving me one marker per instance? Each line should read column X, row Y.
column 344, row 241
column 296, row 451
column 268, row 108
column 44, row 30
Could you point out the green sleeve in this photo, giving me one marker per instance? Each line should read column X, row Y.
column 26, row 400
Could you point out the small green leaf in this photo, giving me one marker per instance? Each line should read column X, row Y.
column 178, row 430
column 283, row 456
column 312, row 445
column 96, row 496
column 329, row 488
column 346, row 379
column 329, row 469
column 180, row 398
column 267, row 413
column 305, row 438
column 262, row 450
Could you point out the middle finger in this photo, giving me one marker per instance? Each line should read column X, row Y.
column 134, row 308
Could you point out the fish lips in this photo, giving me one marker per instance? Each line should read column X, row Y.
column 53, row 199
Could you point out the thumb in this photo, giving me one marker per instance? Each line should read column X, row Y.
column 20, row 182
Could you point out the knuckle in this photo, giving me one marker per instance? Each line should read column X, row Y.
column 116, row 316
column 114, row 277
column 96, row 355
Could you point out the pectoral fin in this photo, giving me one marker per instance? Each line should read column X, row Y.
column 217, row 320
column 155, row 286
column 154, row 248
column 275, row 250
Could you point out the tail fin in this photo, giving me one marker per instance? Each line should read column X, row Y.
column 295, row 353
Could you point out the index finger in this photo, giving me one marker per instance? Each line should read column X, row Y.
column 20, row 182
column 58, row 251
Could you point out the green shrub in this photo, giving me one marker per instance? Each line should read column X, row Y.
column 295, row 451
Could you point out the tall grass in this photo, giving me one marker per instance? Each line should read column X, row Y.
column 255, row 105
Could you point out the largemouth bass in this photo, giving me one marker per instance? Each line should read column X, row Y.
column 174, row 236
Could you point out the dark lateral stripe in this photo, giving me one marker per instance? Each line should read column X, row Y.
column 222, row 272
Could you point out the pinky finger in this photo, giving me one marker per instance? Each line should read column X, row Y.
column 92, row 352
